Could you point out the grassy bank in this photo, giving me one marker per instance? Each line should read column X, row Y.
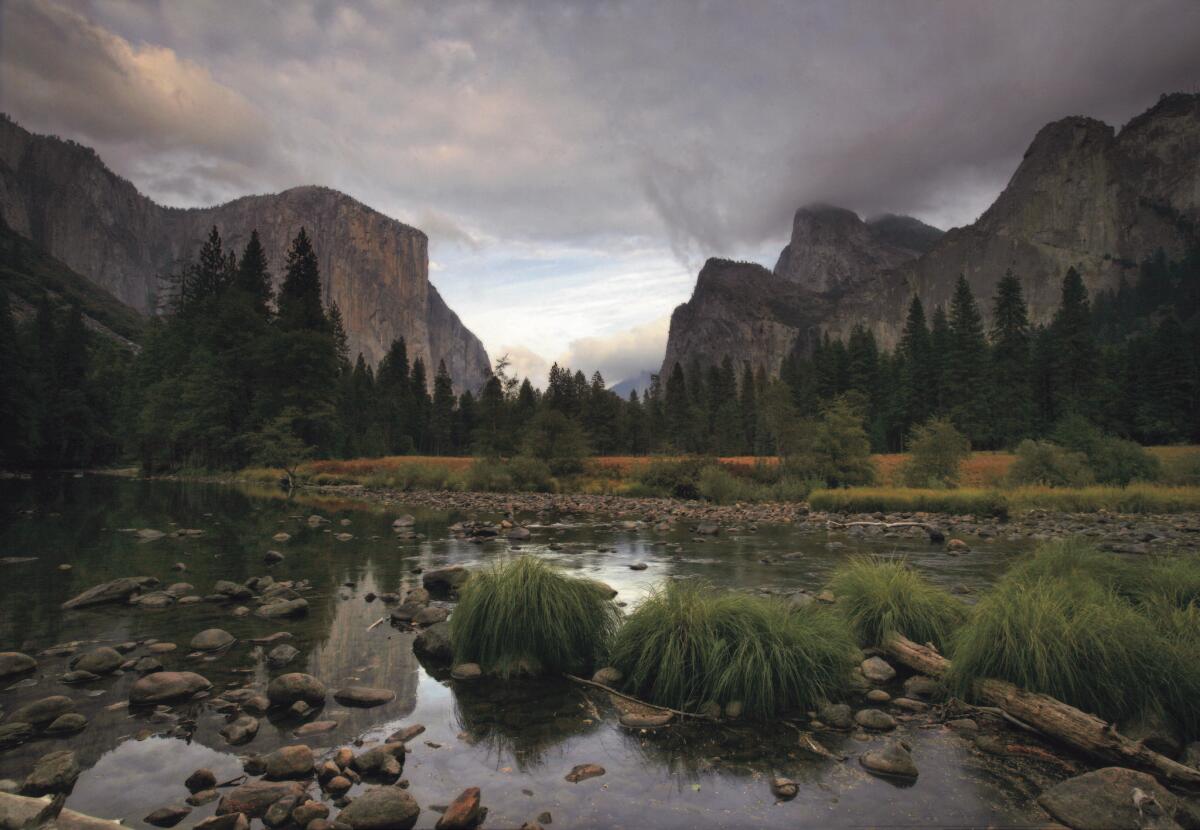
column 1136, row 498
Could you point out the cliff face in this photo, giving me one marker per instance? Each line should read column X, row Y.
column 1084, row 195
column 60, row 195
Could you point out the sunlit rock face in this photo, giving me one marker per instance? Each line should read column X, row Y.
column 61, row 195
column 1084, row 195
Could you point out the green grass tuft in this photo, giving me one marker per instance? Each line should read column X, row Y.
column 910, row 500
column 688, row 644
column 523, row 615
column 879, row 597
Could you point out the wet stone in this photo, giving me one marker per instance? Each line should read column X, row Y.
column 920, row 686
column 254, row 798
column 233, row 821
column 15, row 734
column 67, row 724
column 837, row 716
column 403, row 736
column 608, row 676
column 875, row 719
column 878, row 696
column 464, row 813
column 212, row 639
column 785, row 789
column 582, row 772
column 201, row 779
column 466, row 672
column 281, row 655
column 893, row 759
column 1112, row 798
column 167, row 816
column 202, row 797
column 42, row 711
column 164, row 686
column 363, row 696
column 877, row 670
column 240, row 731
column 381, row 808
column 54, row 772
column 287, row 689
column 289, row 762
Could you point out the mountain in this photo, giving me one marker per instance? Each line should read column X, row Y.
column 27, row 273
column 1084, row 195
column 640, row 382
column 61, row 195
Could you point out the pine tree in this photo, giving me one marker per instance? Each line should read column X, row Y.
column 940, row 344
column 1075, row 359
column 300, row 295
column 918, row 376
column 966, row 365
column 341, row 342
column 1010, row 379
column 18, row 436
column 253, row 276
column 677, row 406
column 421, row 406
column 442, row 420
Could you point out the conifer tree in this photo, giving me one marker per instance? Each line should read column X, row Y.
column 1010, row 379
column 442, row 419
column 254, row 277
column 918, row 377
column 966, row 365
column 300, row 295
column 678, row 406
column 940, row 344
column 1075, row 359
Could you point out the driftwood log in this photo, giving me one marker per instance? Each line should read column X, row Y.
column 1055, row 719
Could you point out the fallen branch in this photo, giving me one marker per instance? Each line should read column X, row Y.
column 1053, row 718
column 811, row 745
column 885, row 525
column 633, row 699
column 376, row 624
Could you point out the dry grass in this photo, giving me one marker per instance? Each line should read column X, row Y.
column 362, row 467
column 982, row 469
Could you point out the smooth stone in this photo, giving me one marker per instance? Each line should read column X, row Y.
column 315, row 728
column 466, row 672
column 363, row 696
column 1108, row 799
column 168, row 816
column 434, row 643
column 309, row 811
column 255, row 797
column 15, row 734
column 281, row 536
column 734, row 709
column 877, row 670
column 15, row 664
column 164, row 686
column 381, row 808
column 878, row 696
column 910, row 705
column 54, row 772
column 283, row 608
column 281, row 655
column 287, row 689
column 202, row 797
column 232, row 821
column 42, row 711
column 403, row 736
column 837, row 716
column 77, row 677
column 894, row 759
column 384, row 759
column 240, row 731
column 67, row 724
column 289, row 762
column 155, row 599
column 272, row 557
column 445, row 580
column 958, row 546
column 963, row 725
column 582, row 772
column 115, row 590
column 785, row 789
column 280, row 813
column 147, row 665
column 212, row 639
column 430, row 615
column 608, row 676
column 920, row 686
column 519, row 534
column 404, row 521
column 201, row 779
column 232, row 590
column 646, row 721
column 874, row 719
column 638, row 566
column 463, row 813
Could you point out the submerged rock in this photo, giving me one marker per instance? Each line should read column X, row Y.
column 875, row 719
column 42, row 711
column 212, row 639
column 281, row 655
column 289, row 762
column 582, row 772
column 363, row 696
column 241, row 730
column 15, row 664
column 385, row 760
column 837, row 716
column 295, row 686
column 168, row 816
column 1113, row 798
column 297, row 607
column 15, row 734
column 381, row 808
column 254, row 798
column 434, row 643
column 201, row 779
column 464, row 813
column 115, row 590
column 54, row 772
column 894, row 759
column 67, row 724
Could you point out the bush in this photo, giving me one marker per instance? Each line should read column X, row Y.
column 1117, row 461
column 675, row 477
column 720, row 486
column 879, row 598
column 936, row 451
column 689, row 643
column 409, row 477
column 525, row 616
column 557, row 440
column 1040, row 462
column 532, row 475
column 899, row 500
column 833, row 448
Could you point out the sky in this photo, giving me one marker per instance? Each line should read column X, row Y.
column 575, row 163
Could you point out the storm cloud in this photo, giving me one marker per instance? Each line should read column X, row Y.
column 640, row 132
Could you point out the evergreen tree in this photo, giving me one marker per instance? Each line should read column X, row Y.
column 678, row 406
column 1010, row 379
column 421, row 406
column 1075, row 358
column 966, row 365
column 300, row 295
column 940, row 344
column 918, row 375
column 442, row 419
column 253, row 276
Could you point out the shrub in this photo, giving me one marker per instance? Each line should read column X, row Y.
column 833, row 448
column 887, row 500
column 881, row 597
column 488, row 475
column 936, row 451
column 523, row 615
column 532, row 474
column 1040, row 462
column 790, row 488
column 559, row 441
column 1117, row 461
column 675, row 477
column 688, row 643
column 719, row 485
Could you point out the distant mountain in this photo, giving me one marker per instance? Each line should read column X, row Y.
column 641, row 382
column 27, row 273
column 1084, row 195
column 61, row 195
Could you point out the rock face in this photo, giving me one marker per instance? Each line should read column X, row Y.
column 62, row 196
column 1084, row 195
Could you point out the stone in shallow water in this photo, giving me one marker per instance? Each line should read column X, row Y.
column 212, row 639
column 55, row 772
column 201, row 779
column 582, row 772
column 466, row 672
column 281, row 655
column 42, row 711
column 363, row 696
column 240, row 731
column 15, row 734
column 164, row 686
column 14, row 664
column 837, row 716
column 434, row 643
column 168, row 816
column 287, row 689
column 652, row 720
column 894, row 760
column 877, row 670
column 254, row 798
column 875, row 719
column 1113, row 798
column 283, row 608
column 115, row 590
column 67, row 724
column 403, row 736
column 233, row 821
column 785, row 789
column 878, row 696
column 289, row 762
column 430, row 615
column 920, row 686
column 381, row 808
column 464, row 813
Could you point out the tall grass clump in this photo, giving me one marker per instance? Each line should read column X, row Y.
column 523, row 615
column 688, row 644
column 905, row 500
column 880, row 597
column 1071, row 638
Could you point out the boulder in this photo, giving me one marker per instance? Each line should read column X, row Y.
column 42, row 711
column 240, row 730
column 168, row 816
column 115, row 590
column 15, row 734
column 385, row 760
column 280, row 813
column 430, row 615
column 381, row 808
column 232, row 821
column 464, row 812
column 434, row 643
column 201, row 779
column 445, row 580
column 254, row 798
column 295, row 686
column 14, row 664
column 921, row 687
column 67, row 724
column 281, row 655
column 877, row 670
column 893, row 759
column 294, row 761
column 1113, row 798
column 875, row 719
column 836, row 716
column 54, row 772
column 165, row 686
column 363, row 696
column 212, row 639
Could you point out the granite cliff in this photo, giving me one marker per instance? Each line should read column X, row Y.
column 1084, row 195
column 61, row 195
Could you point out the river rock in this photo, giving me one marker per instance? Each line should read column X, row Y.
column 878, row 696
column 287, row 689
column 201, row 779
column 466, row 672
column 294, row 761
column 272, row 557
column 168, row 816
column 212, row 639
column 582, row 772
column 42, row 711
column 147, row 665
column 15, row 664
column 910, row 705
column 836, row 716
column 655, row 720
column 315, row 728
column 202, row 797
column 381, row 808
column 363, row 696
column 921, row 687
column 232, row 590
column 608, row 676
column 464, row 812
column 894, row 760
column 445, row 580
column 404, row 521
column 154, row 599
column 281, row 655
column 1109, row 799
column 240, row 730
column 233, row 821
column 15, row 734
column 309, row 811
column 874, row 719
column 431, row 615
column 255, row 797
column 434, row 643
column 77, row 677
column 403, row 736
column 282, row 536
column 54, row 772
column 280, row 813
column 115, row 590
column 958, row 546
column 165, row 686
column 785, row 789
column 67, row 724
column 297, row 607
column 877, row 670
column 385, row 760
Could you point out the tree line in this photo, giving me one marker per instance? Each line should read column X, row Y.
column 232, row 373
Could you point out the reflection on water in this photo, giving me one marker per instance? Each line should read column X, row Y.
column 515, row 742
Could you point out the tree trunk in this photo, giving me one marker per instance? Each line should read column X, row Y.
column 1079, row 730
